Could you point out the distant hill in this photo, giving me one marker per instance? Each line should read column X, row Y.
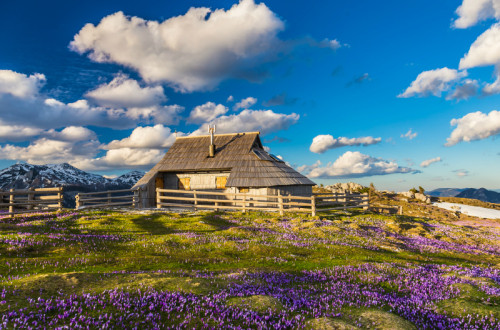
column 480, row 194
column 445, row 192
column 74, row 180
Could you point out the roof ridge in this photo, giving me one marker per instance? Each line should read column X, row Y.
column 215, row 135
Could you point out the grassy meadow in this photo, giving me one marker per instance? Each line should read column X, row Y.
column 146, row 269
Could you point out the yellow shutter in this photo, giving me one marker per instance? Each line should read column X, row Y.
column 159, row 182
column 184, row 183
column 221, row 182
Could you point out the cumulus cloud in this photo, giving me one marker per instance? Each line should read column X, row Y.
column 473, row 11
column 485, row 50
column 123, row 92
column 20, row 85
column 71, row 134
column 206, row 112
column 157, row 137
column 265, row 121
column 409, row 135
column 121, row 158
column 433, row 82
column 18, row 132
column 245, row 103
column 428, row 162
column 474, row 126
column 493, row 88
column 45, row 150
column 322, row 143
column 190, row 52
column 157, row 114
column 354, row 165
column 28, row 107
column 464, row 91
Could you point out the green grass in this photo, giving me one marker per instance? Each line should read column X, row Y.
column 94, row 251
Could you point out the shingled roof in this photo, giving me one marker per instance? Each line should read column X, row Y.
column 242, row 154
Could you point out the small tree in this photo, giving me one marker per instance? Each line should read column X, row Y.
column 421, row 190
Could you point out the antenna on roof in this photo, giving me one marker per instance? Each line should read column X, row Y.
column 211, row 149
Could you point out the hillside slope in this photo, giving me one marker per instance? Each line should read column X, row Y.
column 74, row 180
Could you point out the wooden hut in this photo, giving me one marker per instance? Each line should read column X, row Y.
column 232, row 163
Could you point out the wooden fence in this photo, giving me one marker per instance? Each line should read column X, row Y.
column 31, row 200
column 110, row 198
column 243, row 201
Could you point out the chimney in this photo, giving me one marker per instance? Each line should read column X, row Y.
column 211, row 148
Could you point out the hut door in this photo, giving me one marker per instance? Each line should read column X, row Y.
column 159, row 182
column 220, row 182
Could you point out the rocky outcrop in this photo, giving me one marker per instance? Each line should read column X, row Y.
column 418, row 196
column 342, row 187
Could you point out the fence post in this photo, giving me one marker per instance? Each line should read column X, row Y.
column 77, row 200
column 11, row 202
column 400, row 209
column 367, row 202
column 244, row 202
column 313, row 205
column 137, row 198
column 31, row 198
column 195, row 200
column 280, row 202
column 346, row 199
column 59, row 199
column 158, row 200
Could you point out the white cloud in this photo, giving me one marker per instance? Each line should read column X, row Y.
column 17, row 132
column 473, row 11
column 245, row 103
column 464, row 90
column 474, row 126
column 461, row 173
column 123, row 92
column 158, row 114
column 191, row 52
column 157, row 137
column 71, row 134
column 493, row 88
column 265, row 121
column 19, row 84
column 428, row 162
column 354, row 165
column 409, row 135
column 206, row 112
column 45, row 151
column 333, row 44
column 485, row 50
column 27, row 107
column 322, row 143
column 433, row 82
column 121, row 158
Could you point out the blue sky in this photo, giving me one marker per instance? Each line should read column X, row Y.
column 400, row 94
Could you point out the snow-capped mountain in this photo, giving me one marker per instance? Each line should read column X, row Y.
column 74, row 180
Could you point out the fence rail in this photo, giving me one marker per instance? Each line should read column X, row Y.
column 243, row 201
column 103, row 199
column 31, row 200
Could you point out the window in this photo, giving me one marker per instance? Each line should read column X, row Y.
column 220, row 182
column 243, row 190
column 184, row 183
column 159, row 182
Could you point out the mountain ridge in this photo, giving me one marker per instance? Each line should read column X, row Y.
column 74, row 180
